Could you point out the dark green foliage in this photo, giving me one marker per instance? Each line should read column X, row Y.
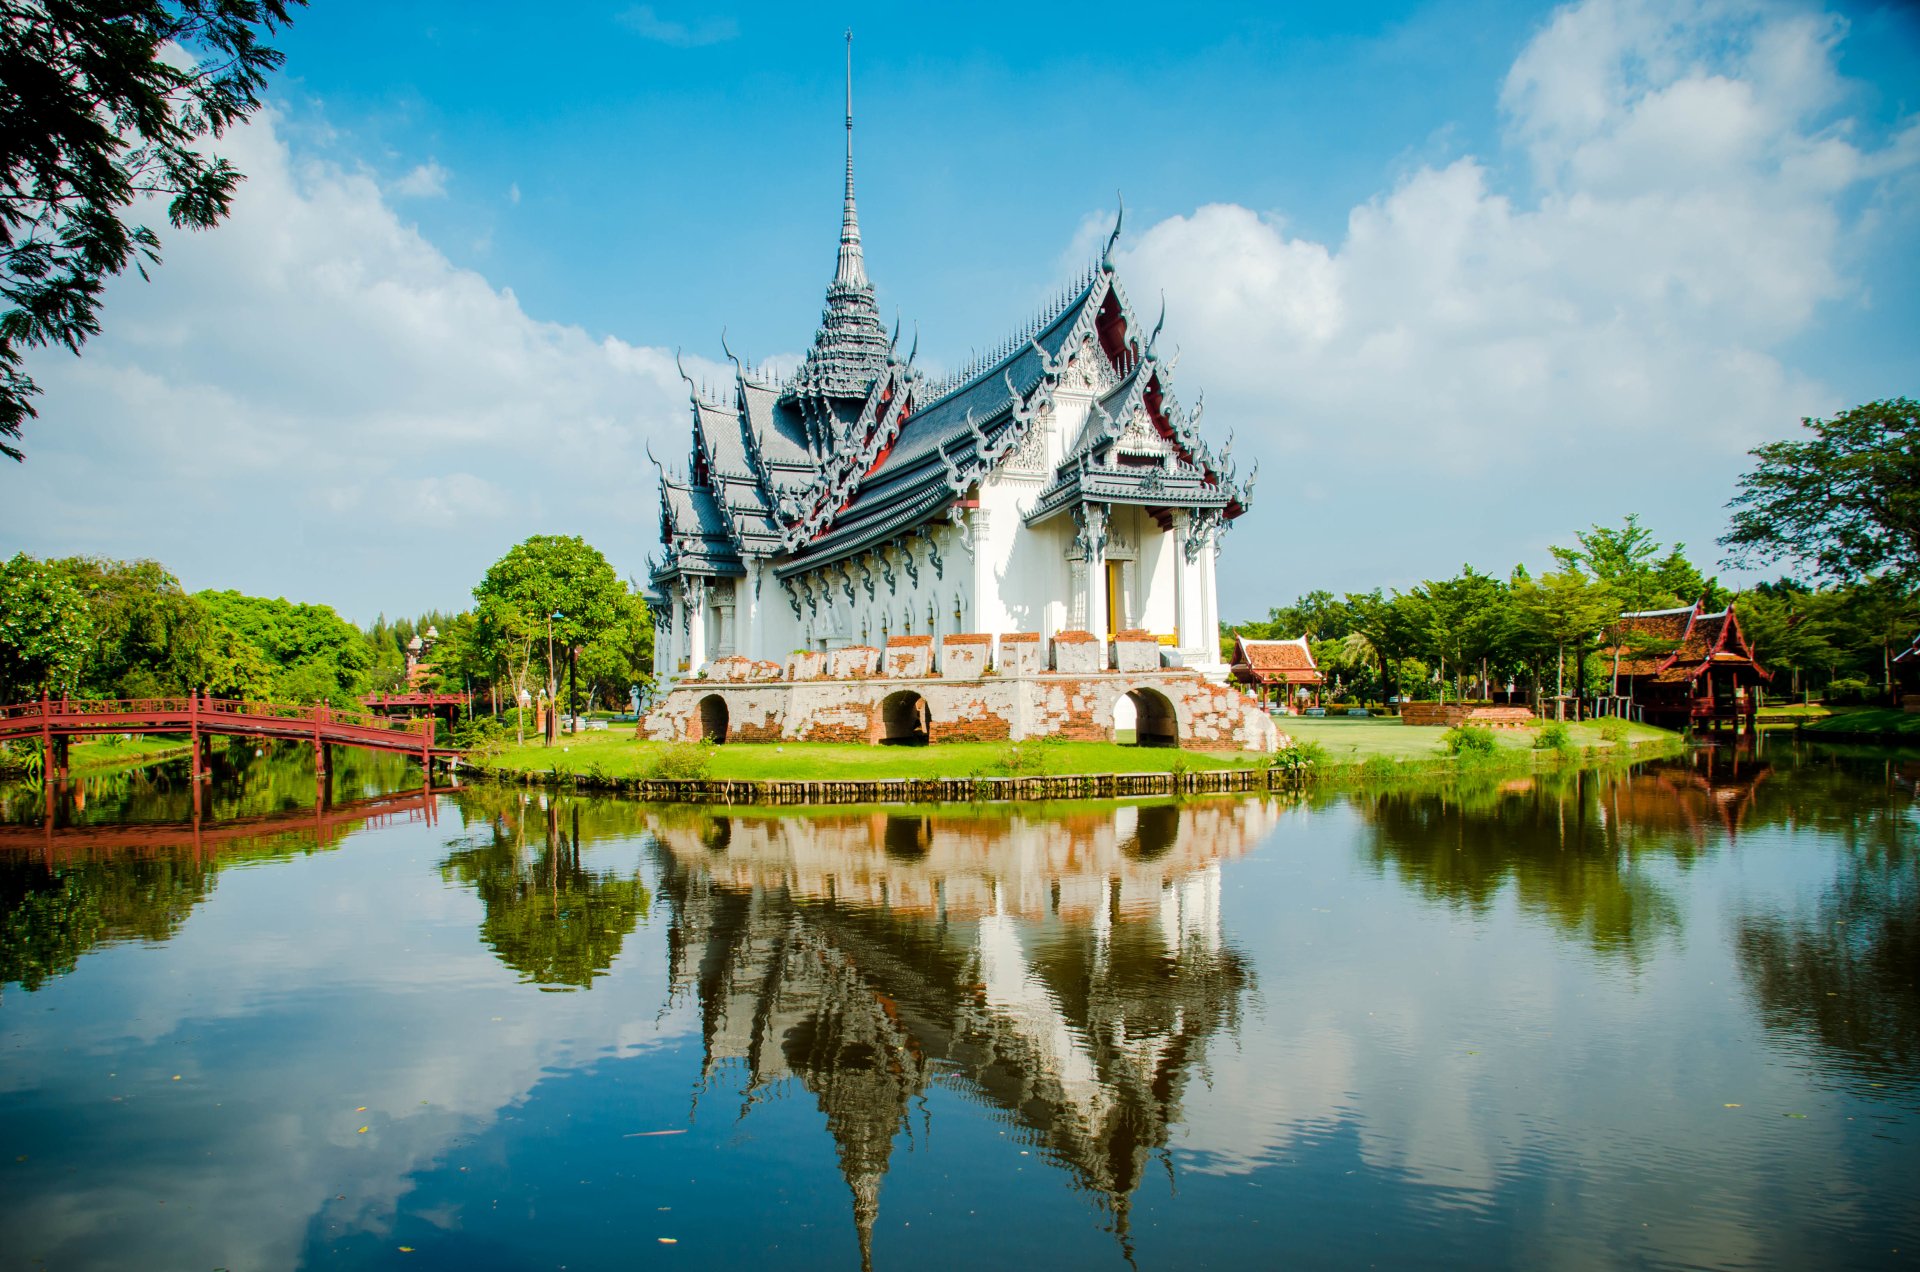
column 683, row 762
column 45, row 630
column 1556, row 737
column 1845, row 502
column 314, row 653
column 96, row 111
column 1470, row 742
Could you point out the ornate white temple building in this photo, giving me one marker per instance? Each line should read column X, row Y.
column 1054, row 489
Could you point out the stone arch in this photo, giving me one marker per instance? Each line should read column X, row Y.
column 903, row 720
column 1156, row 722
column 710, row 720
column 906, row 838
column 1156, row 829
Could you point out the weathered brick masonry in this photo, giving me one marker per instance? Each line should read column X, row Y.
column 860, row 694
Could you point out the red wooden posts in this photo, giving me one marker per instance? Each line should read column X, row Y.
column 193, row 735
column 46, row 739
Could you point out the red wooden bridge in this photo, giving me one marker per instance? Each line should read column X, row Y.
column 416, row 700
column 55, row 720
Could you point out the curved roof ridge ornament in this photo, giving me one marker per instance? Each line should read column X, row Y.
column 915, row 351
column 893, row 341
column 1119, row 219
column 1162, row 321
column 693, row 390
column 738, row 369
column 1049, row 365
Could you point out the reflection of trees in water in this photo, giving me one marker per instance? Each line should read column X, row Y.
column 1844, row 972
column 1561, row 846
column 249, row 780
column 548, row 916
column 50, row 916
column 128, row 856
column 1077, row 1028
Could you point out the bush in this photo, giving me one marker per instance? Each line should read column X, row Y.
column 1614, row 730
column 682, row 762
column 1025, row 759
column 480, row 733
column 1558, row 738
column 1299, row 760
column 1378, row 770
column 1848, row 691
column 1470, row 742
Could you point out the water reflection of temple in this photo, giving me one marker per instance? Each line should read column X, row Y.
column 1064, row 971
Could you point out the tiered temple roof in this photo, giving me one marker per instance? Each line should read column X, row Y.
column 1674, row 646
column 857, row 447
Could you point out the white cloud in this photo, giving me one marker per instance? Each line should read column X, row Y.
column 648, row 25
column 314, row 382
column 1609, row 342
column 427, row 181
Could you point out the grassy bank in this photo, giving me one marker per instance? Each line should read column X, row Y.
column 1339, row 747
column 1868, row 722
column 91, row 755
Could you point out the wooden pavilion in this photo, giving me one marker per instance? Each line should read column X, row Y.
column 1277, row 668
column 1682, row 667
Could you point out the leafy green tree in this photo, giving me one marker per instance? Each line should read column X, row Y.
column 546, row 595
column 312, row 651
column 1462, row 620
column 622, row 656
column 1629, row 561
column 1564, row 608
column 1845, row 502
column 45, row 630
column 100, row 110
column 1391, row 627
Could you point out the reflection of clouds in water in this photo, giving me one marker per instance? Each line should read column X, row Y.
column 1495, row 1055
column 421, row 1025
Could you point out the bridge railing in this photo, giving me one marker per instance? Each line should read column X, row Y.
column 137, row 710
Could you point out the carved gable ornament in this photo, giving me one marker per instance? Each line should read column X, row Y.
column 1087, row 371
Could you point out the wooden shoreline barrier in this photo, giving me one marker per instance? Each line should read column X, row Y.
column 918, row 790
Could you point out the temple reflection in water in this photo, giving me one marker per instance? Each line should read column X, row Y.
column 1065, row 971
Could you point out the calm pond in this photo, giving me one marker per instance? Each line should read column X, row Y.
column 1657, row 1017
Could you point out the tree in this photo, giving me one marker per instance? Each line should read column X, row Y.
column 98, row 109
column 44, row 630
column 1561, row 609
column 622, row 656
column 545, row 596
column 1462, row 618
column 1845, row 503
column 313, row 653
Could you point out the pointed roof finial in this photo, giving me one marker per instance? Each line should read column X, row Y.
column 1119, row 218
column 853, row 269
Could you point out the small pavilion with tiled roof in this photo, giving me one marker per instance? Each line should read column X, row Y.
column 1685, row 666
column 1276, row 668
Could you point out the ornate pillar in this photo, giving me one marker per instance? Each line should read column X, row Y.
column 1090, row 548
column 1182, row 625
column 696, row 603
column 677, row 644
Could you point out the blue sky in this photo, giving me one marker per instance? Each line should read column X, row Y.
column 1464, row 278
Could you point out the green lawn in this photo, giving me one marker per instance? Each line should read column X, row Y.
column 611, row 754
column 1867, row 722
column 616, row 754
column 97, row 753
column 1355, row 741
